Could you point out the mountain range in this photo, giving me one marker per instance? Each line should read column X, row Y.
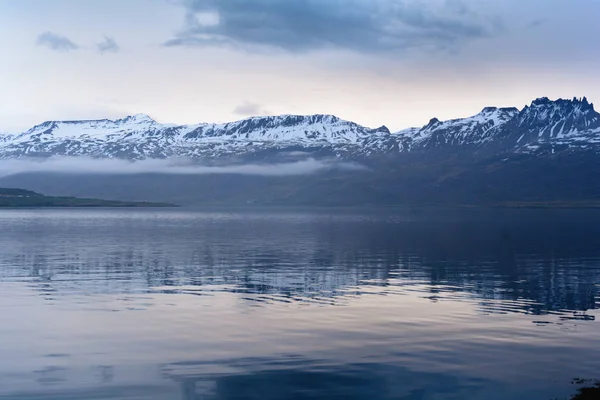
column 547, row 151
column 543, row 126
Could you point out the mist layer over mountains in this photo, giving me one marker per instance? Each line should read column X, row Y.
column 545, row 152
column 103, row 166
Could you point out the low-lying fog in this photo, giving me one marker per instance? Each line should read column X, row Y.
column 86, row 165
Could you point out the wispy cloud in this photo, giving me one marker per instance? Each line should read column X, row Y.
column 250, row 109
column 536, row 23
column 56, row 42
column 84, row 165
column 305, row 25
column 108, row 45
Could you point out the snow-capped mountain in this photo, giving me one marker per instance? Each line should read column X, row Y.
column 544, row 125
column 476, row 130
column 139, row 136
column 557, row 124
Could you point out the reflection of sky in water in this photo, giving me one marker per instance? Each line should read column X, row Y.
column 175, row 304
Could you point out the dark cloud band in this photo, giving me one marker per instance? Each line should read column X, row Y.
column 305, row 25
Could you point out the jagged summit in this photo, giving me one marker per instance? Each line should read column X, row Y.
column 553, row 124
column 575, row 103
column 544, row 110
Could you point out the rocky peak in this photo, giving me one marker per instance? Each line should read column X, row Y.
column 489, row 110
column 541, row 101
column 544, row 110
column 498, row 114
column 44, row 127
column 382, row 129
column 548, row 120
column 581, row 104
column 503, row 110
column 432, row 122
column 136, row 118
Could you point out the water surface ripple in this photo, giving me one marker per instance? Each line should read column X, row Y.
column 299, row 304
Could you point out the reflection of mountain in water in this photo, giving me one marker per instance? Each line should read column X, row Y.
column 506, row 261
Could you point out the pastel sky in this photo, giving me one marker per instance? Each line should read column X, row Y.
column 392, row 62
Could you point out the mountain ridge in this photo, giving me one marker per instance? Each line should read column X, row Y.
column 544, row 125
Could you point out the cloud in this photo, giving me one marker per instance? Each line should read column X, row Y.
column 307, row 25
column 250, row 109
column 537, row 23
column 56, row 42
column 85, row 165
column 108, row 45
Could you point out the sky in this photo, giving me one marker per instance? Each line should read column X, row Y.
column 397, row 63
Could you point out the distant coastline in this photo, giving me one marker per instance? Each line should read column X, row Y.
column 550, row 204
column 20, row 198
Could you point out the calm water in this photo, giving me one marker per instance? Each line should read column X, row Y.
column 184, row 304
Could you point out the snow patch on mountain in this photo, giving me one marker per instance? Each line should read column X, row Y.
column 477, row 129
